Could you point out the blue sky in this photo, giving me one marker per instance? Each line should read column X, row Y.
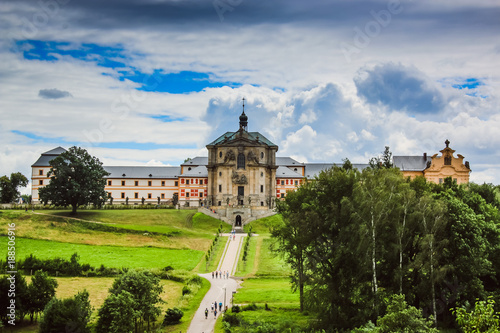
column 140, row 82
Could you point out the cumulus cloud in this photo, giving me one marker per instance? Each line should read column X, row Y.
column 53, row 93
column 399, row 88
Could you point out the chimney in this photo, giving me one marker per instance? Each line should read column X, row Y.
column 425, row 156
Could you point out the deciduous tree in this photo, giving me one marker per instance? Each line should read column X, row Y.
column 76, row 178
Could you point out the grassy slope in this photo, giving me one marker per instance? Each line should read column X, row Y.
column 110, row 256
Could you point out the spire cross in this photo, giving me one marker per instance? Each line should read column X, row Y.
column 243, row 104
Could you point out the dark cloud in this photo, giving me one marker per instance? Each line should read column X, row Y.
column 399, row 88
column 53, row 93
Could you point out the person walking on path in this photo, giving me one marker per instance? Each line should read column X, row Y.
column 215, row 313
column 213, row 275
column 216, row 274
column 206, row 313
column 220, row 306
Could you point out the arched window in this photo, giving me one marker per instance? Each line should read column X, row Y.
column 447, row 160
column 241, row 161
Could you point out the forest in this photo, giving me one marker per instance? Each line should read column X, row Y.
column 356, row 239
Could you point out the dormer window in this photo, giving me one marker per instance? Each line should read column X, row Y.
column 447, row 160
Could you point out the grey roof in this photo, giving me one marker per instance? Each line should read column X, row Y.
column 411, row 163
column 229, row 136
column 46, row 157
column 56, row 151
column 199, row 171
column 198, row 160
column 313, row 169
column 143, row 171
column 287, row 161
column 284, row 172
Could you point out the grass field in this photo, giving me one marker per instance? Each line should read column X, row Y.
column 110, row 256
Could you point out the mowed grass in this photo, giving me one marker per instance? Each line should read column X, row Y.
column 110, row 256
column 175, row 228
column 270, row 263
column 274, row 292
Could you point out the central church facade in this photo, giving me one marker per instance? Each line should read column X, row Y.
column 241, row 178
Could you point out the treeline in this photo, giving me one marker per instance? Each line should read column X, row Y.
column 355, row 239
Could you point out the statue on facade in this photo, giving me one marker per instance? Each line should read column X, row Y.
column 252, row 157
column 249, row 201
column 237, row 179
column 227, row 201
column 229, row 156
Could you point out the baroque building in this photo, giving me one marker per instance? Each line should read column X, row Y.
column 241, row 178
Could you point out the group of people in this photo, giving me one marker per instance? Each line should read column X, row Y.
column 213, row 309
column 233, row 234
column 220, row 274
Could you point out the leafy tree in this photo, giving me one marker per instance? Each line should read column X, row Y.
column 374, row 198
column 76, row 178
column 41, row 290
column 431, row 215
column 9, row 187
column 144, row 290
column 67, row 315
column 403, row 318
column 117, row 314
column 172, row 316
column 483, row 318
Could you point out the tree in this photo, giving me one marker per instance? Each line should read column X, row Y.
column 67, row 315
column 41, row 290
column 140, row 291
column 8, row 187
column 76, row 178
column 373, row 201
column 117, row 314
column 172, row 316
column 483, row 318
column 403, row 318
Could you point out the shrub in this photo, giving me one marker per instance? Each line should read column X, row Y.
column 186, row 290
column 235, row 309
column 250, row 307
column 232, row 319
column 172, row 316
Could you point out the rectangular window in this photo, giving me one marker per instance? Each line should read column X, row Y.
column 277, row 181
column 149, row 195
column 196, row 180
column 187, row 194
column 261, row 188
column 282, row 182
column 296, row 182
column 201, row 194
column 182, row 193
column 282, row 195
column 136, row 195
column 149, row 183
column 40, row 172
column 440, row 180
column 40, row 182
column 123, row 195
column 220, row 189
column 163, row 195
column 176, row 183
column 182, row 180
column 206, row 181
column 287, row 181
column 109, row 182
column 123, row 183
column 136, row 183
column 162, row 183
column 187, row 181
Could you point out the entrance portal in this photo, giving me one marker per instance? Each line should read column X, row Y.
column 237, row 223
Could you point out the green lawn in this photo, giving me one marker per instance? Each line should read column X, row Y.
column 270, row 263
column 275, row 292
column 110, row 256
